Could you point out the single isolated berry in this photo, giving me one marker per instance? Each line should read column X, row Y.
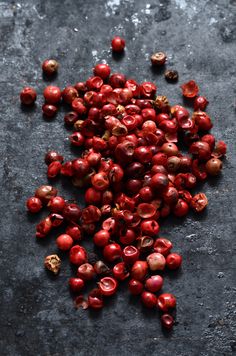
column 50, row 67
column 171, row 75
column 52, row 263
column 117, row 44
column 190, row 89
column 158, row 59
column 28, row 96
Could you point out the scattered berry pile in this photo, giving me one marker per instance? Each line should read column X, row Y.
column 133, row 174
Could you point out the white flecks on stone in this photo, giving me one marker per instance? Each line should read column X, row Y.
column 41, row 17
column 147, row 10
column 182, row 4
column 135, row 20
column 95, row 55
column 111, row 7
column 5, row 10
column 212, row 21
column 191, row 9
column 190, row 236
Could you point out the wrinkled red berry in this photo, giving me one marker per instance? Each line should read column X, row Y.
column 190, row 89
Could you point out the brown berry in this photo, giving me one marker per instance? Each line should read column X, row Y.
column 52, row 263
column 158, row 59
column 171, row 75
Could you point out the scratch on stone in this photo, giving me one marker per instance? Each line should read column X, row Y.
column 38, row 14
column 191, row 235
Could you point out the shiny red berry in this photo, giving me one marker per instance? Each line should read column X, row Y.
column 117, row 44
column 173, row 261
column 34, row 204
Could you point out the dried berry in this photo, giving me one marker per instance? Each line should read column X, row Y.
column 171, row 75
column 190, row 89
column 158, row 59
column 52, row 263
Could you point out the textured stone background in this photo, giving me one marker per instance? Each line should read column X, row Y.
column 37, row 315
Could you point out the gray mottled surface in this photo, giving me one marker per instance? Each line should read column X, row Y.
column 37, row 314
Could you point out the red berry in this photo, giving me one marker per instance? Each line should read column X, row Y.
column 154, row 283
column 86, row 271
column 28, row 96
column 52, row 94
column 167, row 321
column 118, row 44
column 173, row 261
column 130, row 254
column 166, row 301
column 95, row 299
column 108, row 286
column 74, row 231
column 64, row 242
column 102, row 70
column 50, row 66
column 45, row 193
column 34, row 205
column 162, row 246
column 43, row 228
column 135, row 287
column 56, row 204
column 101, row 238
column 76, row 284
column 52, row 156
column 112, row 252
column 69, row 94
column 139, row 270
column 149, row 299
column 49, row 110
column 120, row 271
column 190, row 89
column 78, row 255
column 54, row 169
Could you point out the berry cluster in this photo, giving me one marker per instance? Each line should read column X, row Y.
column 133, row 175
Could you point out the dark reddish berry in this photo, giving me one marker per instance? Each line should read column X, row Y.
column 50, row 67
column 28, row 96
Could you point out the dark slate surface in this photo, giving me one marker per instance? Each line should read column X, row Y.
column 37, row 314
